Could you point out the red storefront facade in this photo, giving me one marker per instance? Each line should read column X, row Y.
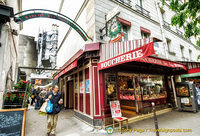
column 84, row 78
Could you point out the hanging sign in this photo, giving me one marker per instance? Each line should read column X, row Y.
column 133, row 55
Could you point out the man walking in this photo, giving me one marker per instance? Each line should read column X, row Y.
column 52, row 118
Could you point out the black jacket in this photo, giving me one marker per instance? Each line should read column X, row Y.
column 54, row 100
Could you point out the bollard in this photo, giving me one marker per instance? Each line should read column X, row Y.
column 155, row 119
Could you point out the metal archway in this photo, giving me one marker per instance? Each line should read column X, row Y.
column 44, row 13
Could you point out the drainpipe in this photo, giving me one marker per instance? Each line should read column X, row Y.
column 157, row 4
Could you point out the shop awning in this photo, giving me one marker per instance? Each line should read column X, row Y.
column 162, row 62
column 112, row 54
column 190, row 75
column 72, row 62
column 193, row 69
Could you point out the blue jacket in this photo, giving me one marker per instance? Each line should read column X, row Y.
column 54, row 100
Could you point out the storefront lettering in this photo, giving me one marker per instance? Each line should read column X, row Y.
column 129, row 56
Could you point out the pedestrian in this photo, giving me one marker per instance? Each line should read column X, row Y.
column 52, row 118
column 37, row 104
column 33, row 94
column 42, row 94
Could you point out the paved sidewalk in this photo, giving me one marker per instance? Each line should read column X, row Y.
column 68, row 125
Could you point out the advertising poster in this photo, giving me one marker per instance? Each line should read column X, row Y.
column 81, row 87
column 87, row 88
column 115, row 109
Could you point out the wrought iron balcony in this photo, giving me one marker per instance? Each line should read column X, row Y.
column 142, row 10
column 179, row 32
column 125, row 2
column 167, row 25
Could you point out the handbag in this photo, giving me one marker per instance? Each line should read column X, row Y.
column 43, row 107
column 49, row 107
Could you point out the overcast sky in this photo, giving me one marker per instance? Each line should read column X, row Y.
column 31, row 27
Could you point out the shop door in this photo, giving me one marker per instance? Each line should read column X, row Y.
column 70, row 95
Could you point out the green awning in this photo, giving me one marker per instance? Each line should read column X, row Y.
column 191, row 75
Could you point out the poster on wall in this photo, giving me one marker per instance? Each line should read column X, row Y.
column 81, row 87
column 87, row 88
column 115, row 109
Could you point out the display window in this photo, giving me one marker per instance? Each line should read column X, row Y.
column 147, row 86
column 111, row 87
column 182, row 90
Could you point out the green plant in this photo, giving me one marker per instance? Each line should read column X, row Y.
column 187, row 17
column 198, row 57
column 12, row 97
column 22, row 84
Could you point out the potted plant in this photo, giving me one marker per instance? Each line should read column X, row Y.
column 12, row 97
column 21, row 85
column 20, row 98
column 7, row 97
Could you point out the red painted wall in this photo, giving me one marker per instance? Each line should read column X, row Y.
column 76, row 101
column 87, row 100
column 96, row 91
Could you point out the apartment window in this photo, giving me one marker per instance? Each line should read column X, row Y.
column 139, row 2
column 144, row 35
column 190, row 54
column 125, row 31
column 168, row 44
column 182, row 50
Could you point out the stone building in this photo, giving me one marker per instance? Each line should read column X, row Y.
column 94, row 73
column 9, row 44
column 27, row 55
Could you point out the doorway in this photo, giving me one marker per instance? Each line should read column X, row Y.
column 70, row 95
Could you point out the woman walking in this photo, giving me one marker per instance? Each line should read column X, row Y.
column 52, row 118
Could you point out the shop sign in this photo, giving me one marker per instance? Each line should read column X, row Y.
column 112, row 13
column 115, row 109
column 118, row 38
column 87, row 86
column 115, row 28
column 68, row 68
column 133, row 55
column 52, row 16
column 162, row 62
column 38, row 81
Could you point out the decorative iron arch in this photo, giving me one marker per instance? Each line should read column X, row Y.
column 44, row 13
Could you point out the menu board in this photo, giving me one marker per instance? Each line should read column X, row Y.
column 115, row 109
column 12, row 122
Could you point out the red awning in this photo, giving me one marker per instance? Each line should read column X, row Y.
column 72, row 62
column 133, row 55
column 162, row 62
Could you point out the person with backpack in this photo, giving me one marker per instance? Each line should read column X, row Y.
column 55, row 98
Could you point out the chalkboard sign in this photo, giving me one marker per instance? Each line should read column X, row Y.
column 12, row 122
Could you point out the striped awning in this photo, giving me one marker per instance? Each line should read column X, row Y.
column 110, row 50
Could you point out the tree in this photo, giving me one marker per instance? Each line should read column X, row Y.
column 187, row 16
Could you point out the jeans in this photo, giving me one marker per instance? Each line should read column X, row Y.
column 51, row 123
column 37, row 104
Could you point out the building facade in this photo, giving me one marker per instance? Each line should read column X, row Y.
column 118, row 27
column 9, row 45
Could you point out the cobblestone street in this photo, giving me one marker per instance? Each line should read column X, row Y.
column 68, row 125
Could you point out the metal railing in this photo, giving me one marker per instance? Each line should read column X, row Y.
column 125, row 2
column 167, row 25
column 142, row 10
column 179, row 32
